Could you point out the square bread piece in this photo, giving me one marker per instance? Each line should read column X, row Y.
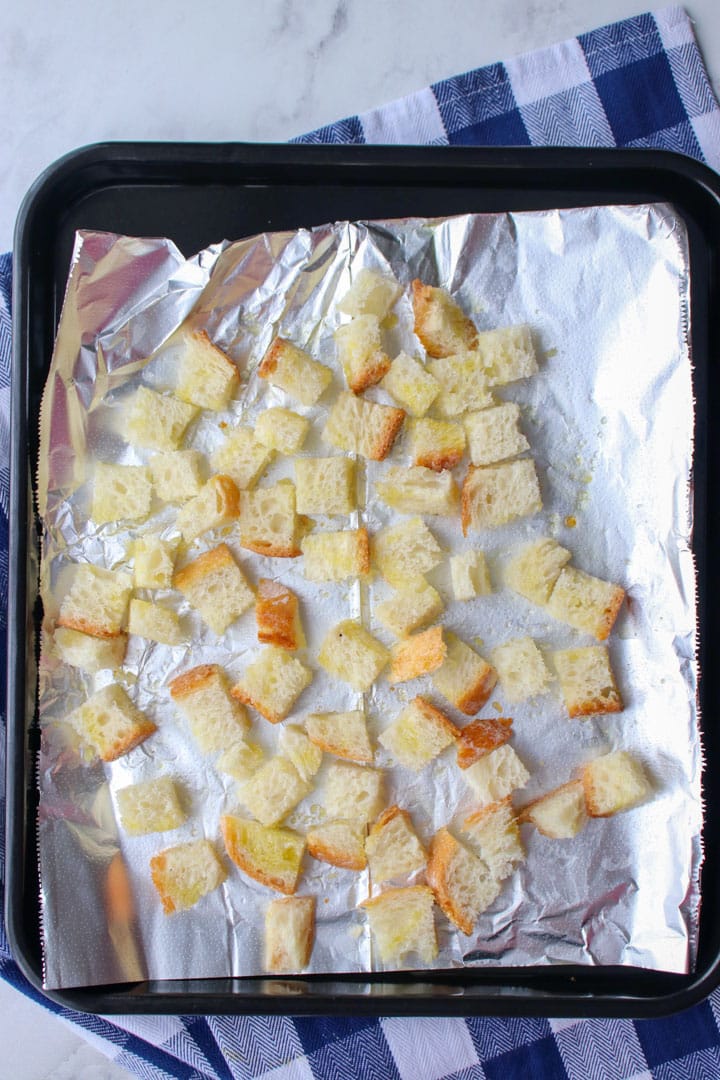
column 417, row 490
column 436, row 444
column 216, row 587
column 371, row 293
column 120, row 493
column 559, row 814
column 392, row 846
column 462, row 883
column 343, row 734
column 184, row 874
column 492, row 495
column 336, row 556
column 353, row 792
column 409, row 608
column 177, row 476
column 289, row 934
column 496, row 775
column 270, row 855
column 534, row 569
column 493, row 434
column 362, row 427
column 273, row 791
column 325, row 485
column 411, row 385
column 418, row 735
column 465, row 679
column 470, row 575
column 296, row 747
column 521, row 669
column 339, row 843
column 282, row 430
column 481, row 737
column 241, row 457
column 157, row 421
column 111, row 724
column 351, row 653
column 216, row 721
column 417, row 655
column 402, row 924
column 613, row 783
column 154, row 623
column 150, row 806
column 494, row 834
column 442, row 326
column 241, row 760
column 463, row 385
column 268, row 522
column 294, row 371
column 272, row 683
column 587, row 682
column 206, row 377
column 277, row 612
column 91, row 654
column 360, row 352
column 216, row 504
column 585, row 602
column 96, row 602
column 154, row 562
column 507, row 354
column 405, row 551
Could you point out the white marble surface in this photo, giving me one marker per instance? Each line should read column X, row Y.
column 79, row 72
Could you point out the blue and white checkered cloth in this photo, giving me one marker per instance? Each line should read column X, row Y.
column 640, row 82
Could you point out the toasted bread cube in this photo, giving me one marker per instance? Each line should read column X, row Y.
column 268, row 522
column 496, row 775
column 465, row 679
column 613, row 783
column 493, row 434
column 392, row 846
column 157, row 421
column 440, row 323
column 151, row 806
column 96, row 602
column 535, row 568
column 216, row 721
column 559, row 814
column 154, row 562
column 343, row 734
column 215, row 586
column 436, row 444
column 463, row 385
column 154, row 622
column 350, row 653
column 241, row 457
column 405, row 551
column 354, row 792
column 481, row 737
column 410, row 608
column 521, row 669
column 295, row 372
column 111, row 724
column 207, row 377
column 411, row 385
column 272, row 683
column 587, row 682
column 462, row 882
column 370, row 294
column 417, row 655
column 585, row 602
column 507, row 354
column 494, row 835
column 360, row 352
column 470, row 575
column 336, row 556
column 184, row 874
column 91, row 654
column 273, row 791
column 277, row 612
column 325, row 485
column 402, row 924
column 270, row 855
column 218, row 503
column 120, row 493
column 418, row 735
column 495, row 494
column 281, row 430
column 289, row 934
column 418, row 490
column 177, row 476
column 362, row 427
column 297, row 747
column 241, row 760
column 340, row 843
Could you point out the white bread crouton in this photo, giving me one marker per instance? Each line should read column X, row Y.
column 177, row 476
column 325, row 485
column 392, row 846
column 241, row 760
column 436, row 444
column 157, row 421
column 360, row 352
column 340, row 843
column 613, row 783
column 492, row 495
column 418, row 735
column 535, row 568
column 465, row 679
column 362, row 427
column 409, row 608
column 216, row 721
column 417, row 490
column 215, row 586
column 417, row 655
column 559, row 814
column 277, row 612
column 272, row 683
column 216, row 504
column 91, row 654
column 587, row 682
column 336, row 556
column 585, row 602
column 353, row 792
column 507, row 354
column 289, row 934
column 343, row 734
column 371, row 293
column 440, row 323
column 470, row 575
column 411, row 385
column 241, row 457
column 154, row 562
column 494, row 834
column 493, row 434
column 463, row 385
column 462, row 883
column 521, row 669
column 481, row 737
column 96, row 602
column 120, row 493
column 184, row 874
column 351, row 653
column 282, row 430
column 273, row 791
column 294, row 371
column 297, row 747
column 207, row 377
column 402, row 924
column 496, row 775
column 151, row 806
column 268, row 522
column 405, row 551
column 270, row 855
column 111, row 724
column 154, row 623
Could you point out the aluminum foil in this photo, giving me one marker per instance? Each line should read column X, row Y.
column 609, row 418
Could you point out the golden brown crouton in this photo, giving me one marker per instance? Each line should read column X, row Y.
column 440, row 323
column 278, row 616
column 417, row 655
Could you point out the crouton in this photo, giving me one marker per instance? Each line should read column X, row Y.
column 559, row 814
column 268, row 522
column 492, row 495
column 177, row 476
column 463, row 385
column 336, row 556
column 289, row 934
column 281, row 430
column 120, row 493
column 325, row 485
column 465, row 679
column 462, row 883
column 207, row 377
column 392, row 846
column 506, row 354
column 154, row 561
column 157, row 421
column 154, row 622
column 493, row 833
column 440, row 323
column 273, row 791
column 241, row 760
column 521, row 669
column 535, row 568
column 585, row 602
column 216, row 504
column 410, row 384
column 110, row 723
column 184, row 874
column 362, row 427
column 493, row 434
column 360, row 352
column 410, row 608
column 351, row 653
column 405, row 551
column 470, row 575
column 216, row 587
column 402, row 924
column 96, row 602
column 436, row 444
column 418, row 735
column 370, row 294
column 343, row 734
column 339, row 843
column 417, row 490
column 353, row 792
column 481, row 737
column 277, row 612
column 241, row 457
column 613, row 783
column 298, row 748
column 216, row 721
column 270, row 855
column 417, row 655
column 294, row 371
column 272, row 683
column 587, row 682
column 91, row 654
column 496, row 775
column 151, row 806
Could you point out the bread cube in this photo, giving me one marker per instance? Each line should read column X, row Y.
column 273, row 791
column 184, row 874
column 151, row 806
column 392, row 846
column 325, row 485
column 585, row 602
column 418, row 735
column 405, row 551
column 241, row 457
column 481, row 737
column 340, row 843
column 336, row 556
column 268, row 522
column 96, row 602
column 506, row 354
column 493, row 833
column 362, row 427
column 216, row 587
column 410, row 384
column 206, row 377
column 177, row 476
column 410, row 608
column 154, row 622
column 281, row 430
column 277, row 612
column 559, row 814
column 360, row 352
column 297, row 747
column 462, row 882
column 111, row 724
column 496, row 775
column 493, row 434
column 272, row 683
column 402, row 924
column 154, row 562
column 267, row 854
column 120, row 493
column 436, row 444
column 295, row 372
column 465, row 679
column 463, row 385
column 535, row 568
column 289, row 934
column 521, row 669
column 417, row 490
column 417, row 655
column 350, row 653
column 91, row 654
column 241, row 760
column 492, row 495
column 216, row 721
column 371, row 293
column 587, row 682
column 157, row 421
column 216, row 504
column 353, row 792
column 470, row 575
column 343, row 734
column 440, row 323
column 613, row 783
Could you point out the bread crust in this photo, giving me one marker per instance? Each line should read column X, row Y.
column 190, row 682
column 278, row 615
column 270, row 360
column 480, row 738
column 86, row 626
column 242, row 858
column 228, row 494
column 525, row 816
column 321, row 848
column 278, row 956
column 425, row 300
column 374, row 369
column 196, row 571
column 429, row 711
column 476, row 695
column 443, row 849
column 439, row 460
column 382, row 445
column 245, row 698
column 417, row 655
